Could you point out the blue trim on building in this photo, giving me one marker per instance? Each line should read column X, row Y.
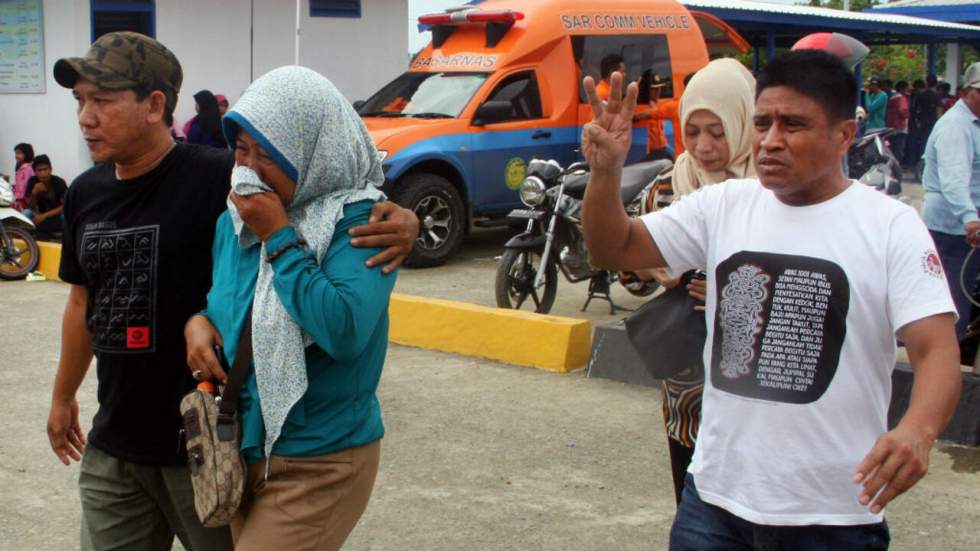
column 762, row 22
column 335, row 8
column 953, row 13
column 110, row 6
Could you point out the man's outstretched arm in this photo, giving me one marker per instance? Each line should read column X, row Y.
column 615, row 241
column 900, row 458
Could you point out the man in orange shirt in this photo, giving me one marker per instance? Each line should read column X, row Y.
column 612, row 63
column 656, row 112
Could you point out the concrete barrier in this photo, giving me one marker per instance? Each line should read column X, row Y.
column 613, row 357
column 511, row 336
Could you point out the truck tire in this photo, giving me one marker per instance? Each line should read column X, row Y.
column 441, row 217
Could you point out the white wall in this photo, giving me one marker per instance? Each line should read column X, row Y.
column 221, row 47
column 47, row 121
column 358, row 55
column 211, row 40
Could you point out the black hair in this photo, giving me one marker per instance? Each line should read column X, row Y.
column 28, row 151
column 931, row 81
column 208, row 116
column 609, row 64
column 944, row 87
column 901, row 85
column 688, row 78
column 887, row 83
column 816, row 74
column 918, row 84
column 168, row 110
column 41, row 160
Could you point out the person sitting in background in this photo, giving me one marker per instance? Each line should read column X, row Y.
column 45, row 197
column 876, row 103
column 206, row 126
column 612, row 63
column 23, row 172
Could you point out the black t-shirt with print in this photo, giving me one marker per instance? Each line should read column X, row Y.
column 142, row 249
column 53, row 197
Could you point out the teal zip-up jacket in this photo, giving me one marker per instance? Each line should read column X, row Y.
column 342, row 304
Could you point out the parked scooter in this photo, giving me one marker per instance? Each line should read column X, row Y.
column 553, row 238
column 19, row 252
column 871, row 161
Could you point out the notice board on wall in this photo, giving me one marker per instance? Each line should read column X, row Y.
column 21, row 47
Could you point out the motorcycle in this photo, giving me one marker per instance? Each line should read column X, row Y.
column 553, row 239
column 19, row 253
column 871, row 161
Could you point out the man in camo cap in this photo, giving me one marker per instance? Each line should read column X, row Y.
column 137, row 253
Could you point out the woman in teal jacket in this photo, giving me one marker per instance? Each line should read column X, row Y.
column 306, row 172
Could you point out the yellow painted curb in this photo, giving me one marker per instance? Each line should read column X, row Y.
column 50, row 259
column 511, row 336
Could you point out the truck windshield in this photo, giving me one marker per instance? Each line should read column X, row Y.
column 424, row 95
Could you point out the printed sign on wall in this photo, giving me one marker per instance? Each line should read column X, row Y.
column 21, row 47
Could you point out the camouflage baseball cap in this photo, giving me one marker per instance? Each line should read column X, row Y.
column 122, row 60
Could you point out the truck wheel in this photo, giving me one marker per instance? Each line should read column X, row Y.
column 440, row 210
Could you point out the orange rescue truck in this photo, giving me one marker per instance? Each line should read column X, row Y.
column 500, row 84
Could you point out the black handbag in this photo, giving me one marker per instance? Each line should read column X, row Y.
column 667, row 333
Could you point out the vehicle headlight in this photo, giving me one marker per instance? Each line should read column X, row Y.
column 532, row 191
column 382, row 155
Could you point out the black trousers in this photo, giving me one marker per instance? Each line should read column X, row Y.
column 680, row 458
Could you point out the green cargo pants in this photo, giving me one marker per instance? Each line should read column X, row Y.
column 128, row 506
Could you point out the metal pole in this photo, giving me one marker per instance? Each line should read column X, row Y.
column 755, row 60
column 771, row 45
column 931, row 49
column 299, row 12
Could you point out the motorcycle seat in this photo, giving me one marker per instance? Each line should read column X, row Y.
column 635, row 179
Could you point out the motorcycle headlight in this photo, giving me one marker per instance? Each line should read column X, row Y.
column 532, row 191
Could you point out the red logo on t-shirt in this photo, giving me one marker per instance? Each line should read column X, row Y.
column 932, row 264
column 137, row 337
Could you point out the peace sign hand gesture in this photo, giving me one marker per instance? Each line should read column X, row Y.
column 606, row 140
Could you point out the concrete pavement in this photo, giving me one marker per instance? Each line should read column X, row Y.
column 478, row 455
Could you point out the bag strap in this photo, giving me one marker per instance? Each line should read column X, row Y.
column 239, row 371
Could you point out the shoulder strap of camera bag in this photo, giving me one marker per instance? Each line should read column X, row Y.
column 228, row 407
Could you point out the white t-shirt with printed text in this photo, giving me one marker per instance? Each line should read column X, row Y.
column 802, row 309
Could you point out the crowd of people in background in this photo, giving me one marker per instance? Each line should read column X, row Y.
column 911, row 111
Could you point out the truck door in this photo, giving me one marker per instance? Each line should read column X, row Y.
column 501, row 149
